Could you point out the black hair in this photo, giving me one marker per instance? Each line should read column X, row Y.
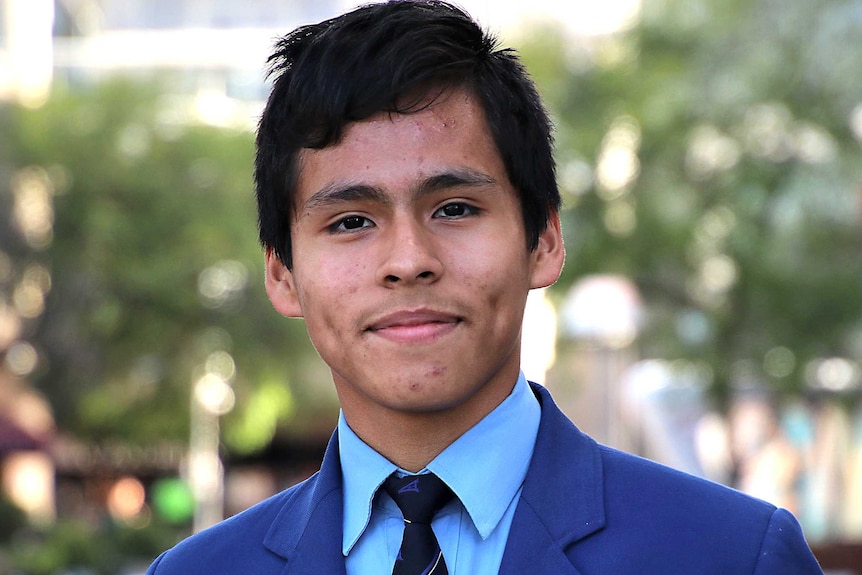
column 390, row 57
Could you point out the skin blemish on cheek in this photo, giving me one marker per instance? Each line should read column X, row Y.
column 437, row 371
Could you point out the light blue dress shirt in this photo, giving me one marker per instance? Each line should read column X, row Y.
column 485, row 468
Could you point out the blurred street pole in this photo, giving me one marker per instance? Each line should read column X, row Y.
column 212, row 397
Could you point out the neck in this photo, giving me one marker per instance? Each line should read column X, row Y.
column 412, row 439
column 412, row 445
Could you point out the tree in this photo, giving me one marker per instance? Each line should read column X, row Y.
column 712, row 155
column 148, row 268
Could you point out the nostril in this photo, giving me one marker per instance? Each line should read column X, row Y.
column 425, row 275
column 392, row 278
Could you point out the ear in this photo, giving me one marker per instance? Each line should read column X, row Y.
column 280, row 286
column 549, row 255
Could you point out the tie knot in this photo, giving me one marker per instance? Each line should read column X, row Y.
column 419, row 497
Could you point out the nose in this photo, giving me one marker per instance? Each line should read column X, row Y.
column 409, row 256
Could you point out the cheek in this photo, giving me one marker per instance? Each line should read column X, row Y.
column 328, row 297
column 332, row 277
column 497, row 269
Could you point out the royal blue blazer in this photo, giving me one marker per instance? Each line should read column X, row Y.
column 585, row 509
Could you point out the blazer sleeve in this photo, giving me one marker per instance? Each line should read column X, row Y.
column 783, row 550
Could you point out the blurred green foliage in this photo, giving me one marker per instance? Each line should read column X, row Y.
column 11, row 520
column 741, row 222
column 154, row 268
column 77, row 546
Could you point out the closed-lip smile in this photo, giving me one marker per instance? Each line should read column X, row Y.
column 414, row 326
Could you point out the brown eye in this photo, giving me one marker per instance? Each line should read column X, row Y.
column 350, row 223
column 353, row 222
column 455, row 210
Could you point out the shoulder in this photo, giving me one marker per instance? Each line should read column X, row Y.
column 612, row 510
column 650, row 506
column 630, row 479
column 236, row 545
column 645, row 491
column 631, row 487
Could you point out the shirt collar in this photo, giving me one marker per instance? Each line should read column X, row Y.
column 363, row 470
column 499, row 447
column 513, row 424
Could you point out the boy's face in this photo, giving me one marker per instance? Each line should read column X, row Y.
column 410, row 265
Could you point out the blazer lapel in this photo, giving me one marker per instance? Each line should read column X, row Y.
column 308, row 530
column 562, row 500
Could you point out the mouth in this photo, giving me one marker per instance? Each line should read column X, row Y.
column 414, row 326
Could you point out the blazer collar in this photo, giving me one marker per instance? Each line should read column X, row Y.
column 307, row 531
column 562, row 500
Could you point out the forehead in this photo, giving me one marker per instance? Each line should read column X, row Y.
column 388, row 149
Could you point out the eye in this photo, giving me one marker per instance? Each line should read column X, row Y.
column 350, row 223
column 456, row 210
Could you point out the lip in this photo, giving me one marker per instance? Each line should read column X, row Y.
column 414, row 326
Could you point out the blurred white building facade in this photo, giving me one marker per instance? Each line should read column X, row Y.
column 212, row 50
column 215, row 48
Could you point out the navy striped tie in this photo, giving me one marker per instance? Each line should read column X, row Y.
column 419, row 497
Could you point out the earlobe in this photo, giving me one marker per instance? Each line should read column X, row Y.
column 549, row 255
column 280, row 286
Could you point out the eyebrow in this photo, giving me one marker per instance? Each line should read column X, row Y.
column 336, row 193
column 452, row 179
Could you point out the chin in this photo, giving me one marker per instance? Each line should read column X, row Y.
column 432, row 398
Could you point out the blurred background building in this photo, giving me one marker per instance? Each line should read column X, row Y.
column 212, row 50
